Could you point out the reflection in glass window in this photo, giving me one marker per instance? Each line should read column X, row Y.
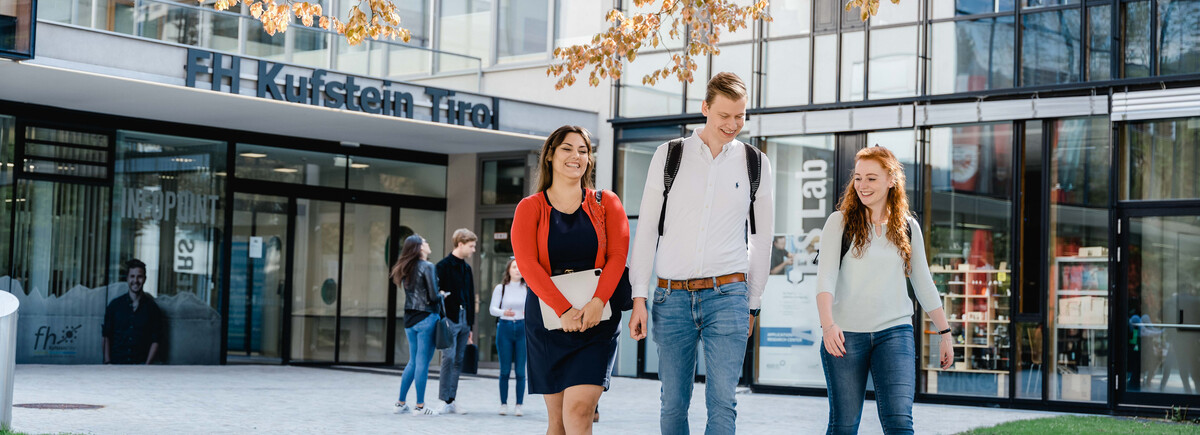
column 1050, row 48
column 1100, row 43
column 1179, row 36
column 972, row 55
column 637, row 99
column 290, row 166
column 414, row 16
column 503, row 181
column 1136, row 37
column 785, row 82
column 1159, row 159
column 805, row 195
column 392, row 176
column 953, row 8
column 465, row 27
column 825, row 69
column 889, row 13
column 854, row 67
column 1078, row 260
column 893, row 63
column 633, row 160
column 1031, row 4
column 575, row 22
column 523, row 30
column 789, row 17
column 903, row 144
column 970, row 242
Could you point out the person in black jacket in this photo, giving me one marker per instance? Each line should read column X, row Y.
column 458, row 285
column 419, row 279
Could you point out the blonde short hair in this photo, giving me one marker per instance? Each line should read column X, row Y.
column 463, row 236
column 726, row 84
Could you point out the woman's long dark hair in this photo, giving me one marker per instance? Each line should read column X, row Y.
column 409, row 256
column 506, row 278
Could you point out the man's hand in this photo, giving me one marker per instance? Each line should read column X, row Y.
column 471, row 337
column 637, row 319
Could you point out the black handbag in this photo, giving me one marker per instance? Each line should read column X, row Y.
column 622, row 297
column 442, row 337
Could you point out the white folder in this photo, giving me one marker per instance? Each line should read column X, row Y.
column 578, row 288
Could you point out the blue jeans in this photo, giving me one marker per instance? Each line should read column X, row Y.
column 510, row 344
column 420, row 353
column 720, row 317
column 890, row 356
column 452, row 358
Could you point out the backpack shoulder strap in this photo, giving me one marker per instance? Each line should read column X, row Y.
column 674, row 156
column 754, row 170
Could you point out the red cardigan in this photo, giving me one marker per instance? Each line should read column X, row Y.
column 531, row 228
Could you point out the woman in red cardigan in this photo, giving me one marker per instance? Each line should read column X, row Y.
column 564, row 228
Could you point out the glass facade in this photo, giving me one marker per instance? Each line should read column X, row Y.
column 16, row 28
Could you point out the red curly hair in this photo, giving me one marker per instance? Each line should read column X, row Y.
column 857, row 216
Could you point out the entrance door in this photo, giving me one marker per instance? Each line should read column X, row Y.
column 257, row 276
column 1160, row 314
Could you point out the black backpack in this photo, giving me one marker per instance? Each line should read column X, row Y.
column 675, row 155
column 846, row 242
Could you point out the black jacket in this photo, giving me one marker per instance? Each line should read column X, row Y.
column 454, row 276
column 421, row 289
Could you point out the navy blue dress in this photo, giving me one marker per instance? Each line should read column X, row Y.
column 558, row 359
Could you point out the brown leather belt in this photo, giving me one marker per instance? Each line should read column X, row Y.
column 701, row 283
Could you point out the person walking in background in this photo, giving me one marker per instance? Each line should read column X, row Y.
column 508, row 306
column 562, row 228
column 458, row 285
column 712, row 258
column 133, row 322
column 871, row 244
column 417, row 276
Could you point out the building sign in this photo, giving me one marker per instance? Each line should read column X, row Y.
column 286, row 83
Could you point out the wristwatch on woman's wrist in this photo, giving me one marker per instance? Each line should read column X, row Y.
column 945, row 331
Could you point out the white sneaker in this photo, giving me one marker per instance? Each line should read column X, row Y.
column 424, row 411
column 402, row 408
column 450, row 408
column 518, row 412
column 503, row 409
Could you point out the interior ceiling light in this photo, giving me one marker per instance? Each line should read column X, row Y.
column 287, row 170
column 253, row 155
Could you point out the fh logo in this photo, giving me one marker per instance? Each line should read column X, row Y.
column 43, row 339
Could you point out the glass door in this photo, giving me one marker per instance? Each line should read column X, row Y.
column 257, row 276
column 364, row 291
column 1160, row 264
column 315, row 280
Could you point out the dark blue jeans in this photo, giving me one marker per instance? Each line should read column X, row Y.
column 510, row 344
column 890, row 357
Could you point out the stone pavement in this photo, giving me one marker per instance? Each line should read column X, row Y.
column 288, row 399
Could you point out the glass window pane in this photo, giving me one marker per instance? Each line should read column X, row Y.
column 7, row 143
column 1160, row 159
column 903, row 144
column 1032, row 4
column 786, row 80
column 1030, row 365
column 825, row 69
column 1136, row 29
column 969, row 237
column 853, row 66
column 261, row 44
column 1079, row 169
column 804, row 197
column 892, row 13
column 414, row 16
column 392, row 176
column 290, row 166
column 698, row 86
column 315, row 280
column 577, row 21
column 1050, row 48
column 1179, row 36
column 790, row 17
column 524, row 27
column 972, row 55
column 737, row 59
column 1100, row 42
column 633, row 159
column 311, row 47
column 893, row 63
column 953, row 8
column 465, row 27
column 1164, row 305
column 365, row 270
column 637, row 99
column 742, row 34
column 503, row 181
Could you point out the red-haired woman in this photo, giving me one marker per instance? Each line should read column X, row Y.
column 565, row 227
column 862, row 299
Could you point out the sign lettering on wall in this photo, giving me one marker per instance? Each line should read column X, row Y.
column 183, row 207
column 317, row 90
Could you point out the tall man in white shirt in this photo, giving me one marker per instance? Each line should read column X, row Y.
column 711, row 269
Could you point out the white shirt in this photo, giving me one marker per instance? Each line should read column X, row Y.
column 869, row 293
column 707, row 219
column 514, row 299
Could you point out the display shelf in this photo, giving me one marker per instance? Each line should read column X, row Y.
column 1083, row 293
column 981, row 341
column 1079, row 310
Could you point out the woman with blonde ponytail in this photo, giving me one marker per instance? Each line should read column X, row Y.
column 862, row 299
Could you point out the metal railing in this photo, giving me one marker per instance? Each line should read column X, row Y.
column 203, row 26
